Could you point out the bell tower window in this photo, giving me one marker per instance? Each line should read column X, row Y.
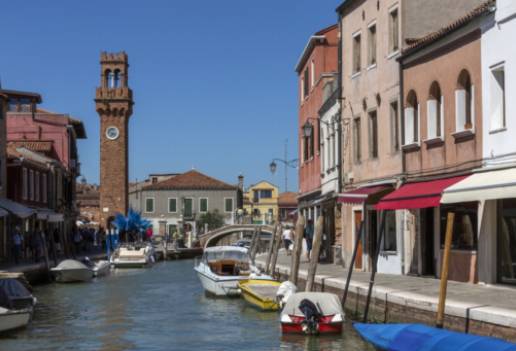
column 116, row 79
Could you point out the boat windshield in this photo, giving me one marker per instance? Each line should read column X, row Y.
column 227, row 255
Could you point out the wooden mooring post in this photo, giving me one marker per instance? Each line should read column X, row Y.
column 255, row 243
column 358, row 238
column 270, row 248
column 444, row 270
column 275, row 251
column 298, row 245
column 314, row 254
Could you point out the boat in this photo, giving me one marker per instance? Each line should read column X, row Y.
column 16, row 304
column 414, row 337
column 261, row 293
column 70, row 271
column 312, row 313
column 221, row 268
column 99, row 268
column 135, row 255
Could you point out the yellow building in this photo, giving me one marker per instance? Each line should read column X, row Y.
column 261, row 202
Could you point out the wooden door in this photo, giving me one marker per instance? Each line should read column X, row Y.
column 358, row 221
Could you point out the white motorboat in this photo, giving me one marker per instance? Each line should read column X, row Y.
column 221, row 268
column 16, row 304
column 99, row 268
column 137, row 255
column 13, row 319
column 69, row 271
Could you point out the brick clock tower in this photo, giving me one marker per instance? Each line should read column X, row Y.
column 114, row 104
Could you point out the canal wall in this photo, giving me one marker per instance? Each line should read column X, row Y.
column 390, row 305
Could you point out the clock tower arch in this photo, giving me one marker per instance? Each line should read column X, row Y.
column 114, row 104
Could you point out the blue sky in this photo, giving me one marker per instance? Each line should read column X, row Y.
column 213, row 81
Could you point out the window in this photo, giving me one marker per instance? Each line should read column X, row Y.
column 172, row 205
column 312, row 73
column 154, row 180
column 373, row 134
column 394, row 31
column 149, row 205
column 464, row 102
column 31, row 185
column 188, row 207
column 497, row 94
column 411, row 119
column 203, row 204
column 265, row 193
column 305, row 84
column 172, row 228
column 25, row 184
column 116, row 79
column 507, row 241
column 37, row 182
column 228, row 204
column 44, row 188
column 434, row 112
column 389, row 241
column 371, row 58
column 464, row 226
column 356, row 139
column 395, row 130
column 356, row 53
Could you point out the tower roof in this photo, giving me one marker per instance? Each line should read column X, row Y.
column 191, row 180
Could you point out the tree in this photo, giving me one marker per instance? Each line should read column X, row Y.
column 213, row 219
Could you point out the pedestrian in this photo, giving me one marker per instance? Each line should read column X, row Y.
column 287, row 238
column 57, row 241
column 309, row 236
column 17, row 244
column 37, row 244
column 77, row 241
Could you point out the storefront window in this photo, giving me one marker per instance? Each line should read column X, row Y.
column 389, row 242
column 464, row 226
column 507, row 241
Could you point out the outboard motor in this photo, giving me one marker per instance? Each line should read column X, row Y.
column 312, row 315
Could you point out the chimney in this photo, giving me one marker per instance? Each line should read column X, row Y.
column 241, row 182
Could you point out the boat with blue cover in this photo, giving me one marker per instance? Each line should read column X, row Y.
column 418, row 337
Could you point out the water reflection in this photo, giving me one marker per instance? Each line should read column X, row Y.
column 162, row 308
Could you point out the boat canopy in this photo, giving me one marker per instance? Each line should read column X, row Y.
column 328, row 304
column 414, row 337
column 13, row 294
column 226, row 253
column 70, row 264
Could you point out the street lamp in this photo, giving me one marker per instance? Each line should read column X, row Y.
column 273, row 167
column 308, row 128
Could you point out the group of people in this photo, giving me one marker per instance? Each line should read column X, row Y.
column 31, row 245
column 289, row 234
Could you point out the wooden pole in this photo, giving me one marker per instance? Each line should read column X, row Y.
column 277, row 245
column 314, row 254
column 298, row 245
column 444, row 270
column 271, row 247
column 352, row 264
column 256, row 243
column 375, row 266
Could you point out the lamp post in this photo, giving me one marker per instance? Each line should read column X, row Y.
column 294, row 163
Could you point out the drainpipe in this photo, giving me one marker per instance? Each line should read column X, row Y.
column 403, row 165
column 340, row 99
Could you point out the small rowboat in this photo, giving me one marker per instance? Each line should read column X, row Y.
column 261, row 293
column 415, row 337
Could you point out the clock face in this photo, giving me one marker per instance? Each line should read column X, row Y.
column 112, row 133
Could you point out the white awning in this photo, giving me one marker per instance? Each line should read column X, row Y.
column 49, row 215
column 491, row 185
column 3, row 213
column 16, row 208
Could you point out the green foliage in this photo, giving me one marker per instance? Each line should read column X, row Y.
column 214, row 220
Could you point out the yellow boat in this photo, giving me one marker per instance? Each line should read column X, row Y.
column 260, row 293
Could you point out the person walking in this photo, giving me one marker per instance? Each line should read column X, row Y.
column 309, row 236
column 287, row 238
column 17, row 244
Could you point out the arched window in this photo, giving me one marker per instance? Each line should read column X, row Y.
column 435, row 112
column 411, row 121
column 464, row 102
column 116, row 79
column 107, row 78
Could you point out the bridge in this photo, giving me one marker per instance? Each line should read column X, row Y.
column 231, row 233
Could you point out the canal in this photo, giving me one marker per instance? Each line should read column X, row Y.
column 161, row 308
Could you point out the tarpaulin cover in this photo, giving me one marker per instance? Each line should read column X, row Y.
column 328, row 303
column 12, row 291
column 360, row 195
column 415, row 337
column 417, row 195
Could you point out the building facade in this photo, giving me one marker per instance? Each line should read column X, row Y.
column 177, row 203
column 261, row 203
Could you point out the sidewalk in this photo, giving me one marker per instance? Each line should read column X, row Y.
column 487, row 310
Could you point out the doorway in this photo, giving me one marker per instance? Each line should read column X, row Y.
column 358, row 220
column 372, row 235
column 427, row 242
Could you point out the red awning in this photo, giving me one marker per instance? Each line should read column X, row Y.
column 360, row 195
column 417, row 195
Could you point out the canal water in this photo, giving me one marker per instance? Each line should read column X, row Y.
column 160, row 308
